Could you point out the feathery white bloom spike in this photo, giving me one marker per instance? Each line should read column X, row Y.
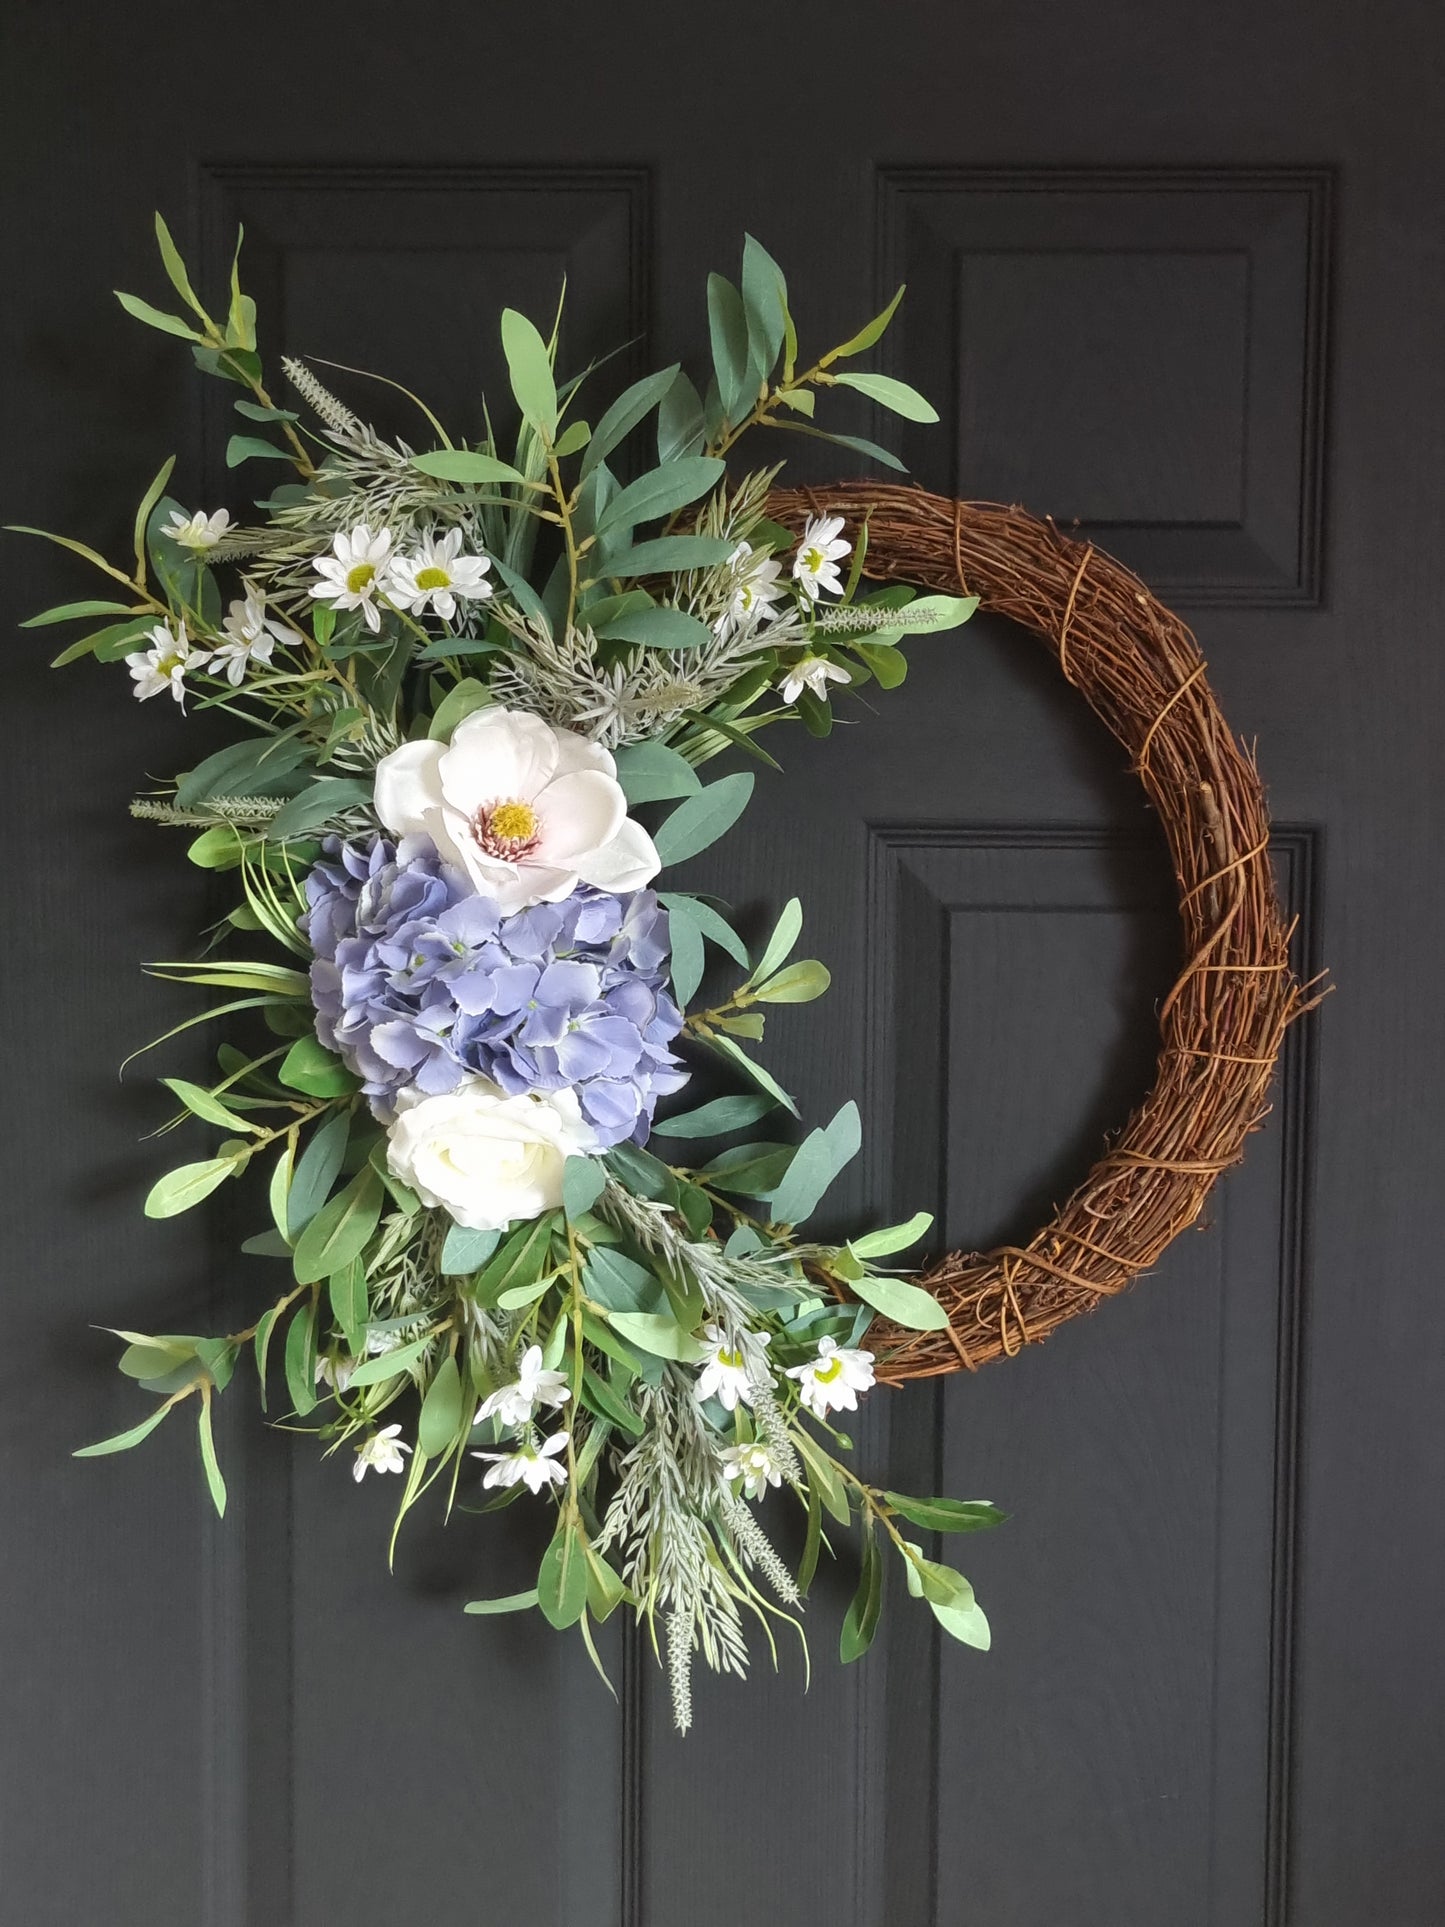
column 163, row 666
column 754, row 590
column 352, row 575
column 532, row 1466
column 811, row 672
column 755, row 1465
column 832, row 1381
column 382, row 1451
column 514, row 1404
column 820, row 549
column 198, row 532
column 727, row 1374
column 250, row 636
column 437, row 574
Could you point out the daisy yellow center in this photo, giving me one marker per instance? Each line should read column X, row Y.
column 813, row 559
column 360, row 579
column 168, row 665
column 733, row 1360
column 517, row 822
column 825, row 1374
column 432, row 578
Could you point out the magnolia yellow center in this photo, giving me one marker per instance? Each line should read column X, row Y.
column 360, row 579
column 517, row 822
column 432, row 579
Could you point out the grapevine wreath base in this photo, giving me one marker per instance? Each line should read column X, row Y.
column 1222, row 1025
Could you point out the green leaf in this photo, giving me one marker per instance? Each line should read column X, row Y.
column 245, row 448
column 468, row 696
column 631, row 407
column 529, row 368
column 657, row 628
column 779, row 947
column 376, row 1371
column 868, row 335
column 123, row 1441
column 346, row 1287
column 466, row 1251
column 254, row 411
column 888, row 664
column 316, row 1171
column 819, row 1159
column 340, row 1229
column 668, row 555
column 653, row 773
column 599, row 1395
column 856, row 443
column 799, row 983
column 702, row 819
column 242, row 769
column 519, row 1262
column 574, row 436
column 765, row 303
column 686, row 962
column 966, row 1623
column 175, row 269
column 200, row 1103
column 512, row 1602
column 713, row 927
column 750, row 1170
column 712, row 1120
column 169, row 324
column 178, row 1190
column 300, row 1358
column 72, row 611
column 214, row 1481
column 583, row 1182
column 893, row 1237
column 308, row 1066
column 761, row 1077
column 223, row 974
column 661, row 492
column 894, row 395
column 661, row 1336
column 861, row 1622
column 824, row 1478
column 905, row 1304
column 315, row 807
column 947, row 1515
column 562, row 1580
column 441, row 1410
column 728, row 331
column 619, row 1282
column 681, row 422
column 466, row 465
column 605, row 1590
column 142, row 515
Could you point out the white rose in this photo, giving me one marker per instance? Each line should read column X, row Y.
column 525, row 810
column 485, row 1157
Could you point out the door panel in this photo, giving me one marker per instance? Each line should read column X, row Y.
column 1176, row 277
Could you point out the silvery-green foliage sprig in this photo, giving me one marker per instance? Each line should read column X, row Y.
column 459, row 679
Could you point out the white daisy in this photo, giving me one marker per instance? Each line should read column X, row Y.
column 250, row 635
column 728, row 1372
column 815, row 566
column 382, row 1450
column 532, row 1466
column 197, row 532
column 352, row 575
column 163, row 666
column 437, row 574
column 754, row 590
column 811, row 672
column 335, row 1372
column 833, row 1380
column 514, row 1404
column 754, row 1465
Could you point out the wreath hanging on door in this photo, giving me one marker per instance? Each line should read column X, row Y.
column 456, row 678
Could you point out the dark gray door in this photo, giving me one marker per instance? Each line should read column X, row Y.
column 1174, row 272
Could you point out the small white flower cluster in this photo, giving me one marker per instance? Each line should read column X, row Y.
column 364, row 572
column 249, row 636
column 527, row 1463
column 756, row 587
column 734, row 1371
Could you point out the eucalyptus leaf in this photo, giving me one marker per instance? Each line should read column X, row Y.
column 818, row 1160
column 632, row 406
column 340, row 1230
column 712, row 926
column 947, row 1515
column 661, row 492
column 123, row 1441
column 867, row 335
column 661, row 1336
column 562, row 1579
column 681, row 421
column 466, row 1251
column 905, row 1304
column 798, row 983
column 779, row 946
column 896, row 396
column 308, row 1066
column 657, row 628
column 760, row 1076
column 667, row 555
column 465, row 465
column 512, row 1602
column 893, row 1237
column 385, row 1365
column 653, row 773
column 441, row 1410
column 583, row 1182
column 722, row 1114
column 187, row 1185
column 700, row 820
column 529, row 368
column 316, row 1171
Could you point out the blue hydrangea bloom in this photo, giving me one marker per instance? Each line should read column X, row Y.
column 418, row 982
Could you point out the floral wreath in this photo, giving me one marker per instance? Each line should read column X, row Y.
column 456, row 677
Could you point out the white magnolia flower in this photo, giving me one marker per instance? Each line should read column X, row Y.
column 811, row 672
column 514, row 1404
column 250, row 635
column 484, row 1157
column 727, row 1374
column 815, row 567
column 437, row 574
column 335, row 1372
column 352, row 575
column 532, row 1465
column 525, row 810
column 833, row 1380
column 754, row 1465
column 163, row 666
column 754, row 589
column 383, row 1450
column 197, row 532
